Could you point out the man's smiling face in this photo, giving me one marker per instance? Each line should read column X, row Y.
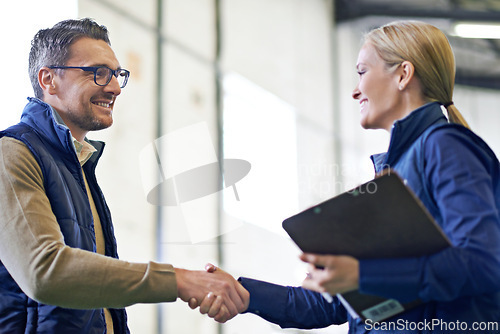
column 82, row 104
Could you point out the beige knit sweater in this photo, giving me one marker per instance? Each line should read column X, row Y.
column 33, row 251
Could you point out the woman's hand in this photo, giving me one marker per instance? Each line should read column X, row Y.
column 331, row 273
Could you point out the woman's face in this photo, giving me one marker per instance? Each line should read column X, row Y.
column 378, row 91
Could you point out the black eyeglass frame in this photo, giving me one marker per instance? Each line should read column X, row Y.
column 94, row 69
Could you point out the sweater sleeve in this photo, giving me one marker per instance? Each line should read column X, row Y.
column 463, row 180
column 33, row 251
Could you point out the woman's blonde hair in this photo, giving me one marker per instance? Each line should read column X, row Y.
column 428, row 49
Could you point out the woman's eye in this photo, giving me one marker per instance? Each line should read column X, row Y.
column 360, row 73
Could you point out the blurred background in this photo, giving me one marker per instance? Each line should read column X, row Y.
column 261, row 88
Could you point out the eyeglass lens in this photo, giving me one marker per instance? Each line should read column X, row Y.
column 103, row 76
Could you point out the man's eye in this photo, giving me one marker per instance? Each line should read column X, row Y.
column 102, row 72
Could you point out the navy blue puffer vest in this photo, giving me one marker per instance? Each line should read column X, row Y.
column 52, row 146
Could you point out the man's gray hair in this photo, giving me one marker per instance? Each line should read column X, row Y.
column 52, row 46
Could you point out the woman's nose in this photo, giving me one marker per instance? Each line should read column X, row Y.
column 356, row 93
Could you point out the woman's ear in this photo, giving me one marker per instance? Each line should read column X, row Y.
column 46, row 80
column 406, row 73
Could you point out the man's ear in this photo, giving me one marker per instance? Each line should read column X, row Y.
column 406, row 73
column 46, row 80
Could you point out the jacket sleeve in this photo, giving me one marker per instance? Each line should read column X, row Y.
column 463, row 179
column 33, row 251
column 292, row 307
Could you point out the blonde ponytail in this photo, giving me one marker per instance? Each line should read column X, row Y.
column 455, row 116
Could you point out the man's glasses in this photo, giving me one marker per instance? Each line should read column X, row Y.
column 102, row 74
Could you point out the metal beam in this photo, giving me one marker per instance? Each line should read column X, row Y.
column 159, row 131
column 479, row 81
column 219, row 112
column 354, row 9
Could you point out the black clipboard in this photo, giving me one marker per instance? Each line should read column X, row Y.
column 381, row 218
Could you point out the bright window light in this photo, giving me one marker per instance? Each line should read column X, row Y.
column 19, row 22
column 260, row 128
column 477, row 30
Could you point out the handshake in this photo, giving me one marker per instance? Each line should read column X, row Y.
column 214, row 291
column 220, row 296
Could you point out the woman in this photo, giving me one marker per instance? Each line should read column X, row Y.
column 407, row 75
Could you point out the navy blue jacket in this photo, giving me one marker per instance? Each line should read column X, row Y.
column 457, row 177
column 52, row 147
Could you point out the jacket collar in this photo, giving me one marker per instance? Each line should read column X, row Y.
column 405, row 131
column 47, row 122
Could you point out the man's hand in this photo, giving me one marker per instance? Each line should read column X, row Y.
column 216, row 292
column 339, row 273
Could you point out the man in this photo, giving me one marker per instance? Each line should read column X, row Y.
column 59, row 269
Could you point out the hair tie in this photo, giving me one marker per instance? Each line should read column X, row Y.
column 447, row 104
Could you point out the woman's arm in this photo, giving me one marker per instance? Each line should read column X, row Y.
column 464, row 182
column 292, row 307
